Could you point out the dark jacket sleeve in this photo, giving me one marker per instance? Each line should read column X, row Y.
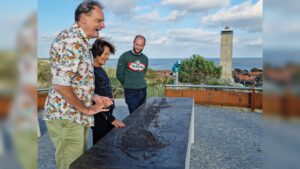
column 98, row 83
column 110, row 118
column 109, row 114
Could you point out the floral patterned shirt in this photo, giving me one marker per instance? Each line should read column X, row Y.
column 71, row 65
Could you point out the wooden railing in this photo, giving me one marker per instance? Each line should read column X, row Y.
column 5, row 104
column 245, row 97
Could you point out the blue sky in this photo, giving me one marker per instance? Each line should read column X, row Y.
column 173, row 28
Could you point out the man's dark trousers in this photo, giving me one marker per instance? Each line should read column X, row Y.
column 134, row 98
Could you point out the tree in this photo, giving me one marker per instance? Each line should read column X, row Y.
column 197, row 70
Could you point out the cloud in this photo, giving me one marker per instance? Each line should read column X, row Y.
column 141, row 8
column 278, row 36
column 195, row 5
column 159, row 41
column 254, row 43
column 287, row 7
column 120, row 7
column 153, row 16
column 192, row 35
column 124, row 39
column 114, row 27
column 246, row 16
column 277, row 27
column 49, row 36
column 175, row 15
column 281, row 24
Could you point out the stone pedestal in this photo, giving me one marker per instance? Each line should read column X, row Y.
column 157, row 135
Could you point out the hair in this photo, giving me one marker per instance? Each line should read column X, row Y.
column 98, row 47
column 86, row 7
column 140, row 36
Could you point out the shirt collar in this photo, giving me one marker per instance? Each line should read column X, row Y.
column 80, row 30
column 135, row 53
column 82, row 33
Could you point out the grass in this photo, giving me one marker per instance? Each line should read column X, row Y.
column 44, row 74
column 155, row 82
column 155, row 90
column 9, row 74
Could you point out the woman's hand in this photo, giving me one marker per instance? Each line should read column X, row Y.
column 118, row 123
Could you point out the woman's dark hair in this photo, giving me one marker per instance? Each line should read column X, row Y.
column 98, row 47
column 86, row 7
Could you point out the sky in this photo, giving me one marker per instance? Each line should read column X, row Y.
column 15, row 13
column 281, row 27
column 173, row 28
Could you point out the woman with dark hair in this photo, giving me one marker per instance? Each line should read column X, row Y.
column 104, row 121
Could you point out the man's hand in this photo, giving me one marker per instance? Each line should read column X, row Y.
column 95, row 109
column 118, row 123
column 69, row 95
column 101, row 100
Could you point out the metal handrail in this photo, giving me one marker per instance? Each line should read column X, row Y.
column 217, row 87
column 43, row 89
column 194, row 86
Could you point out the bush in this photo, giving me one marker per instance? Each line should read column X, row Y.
column 44, row 73
column 197, row 70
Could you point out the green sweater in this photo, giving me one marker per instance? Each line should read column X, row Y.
column 131, row 70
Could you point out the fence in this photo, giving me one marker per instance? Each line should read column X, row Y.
column 246, row 97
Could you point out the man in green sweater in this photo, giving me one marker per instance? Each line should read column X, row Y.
column 131, row 71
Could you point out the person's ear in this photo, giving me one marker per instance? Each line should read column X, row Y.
column 83, row 18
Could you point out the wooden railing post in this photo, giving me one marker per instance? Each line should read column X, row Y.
column 252, row 97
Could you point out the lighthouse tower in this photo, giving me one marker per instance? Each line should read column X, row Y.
column 226, row 54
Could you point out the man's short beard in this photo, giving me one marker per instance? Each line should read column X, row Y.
column 136, row 52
